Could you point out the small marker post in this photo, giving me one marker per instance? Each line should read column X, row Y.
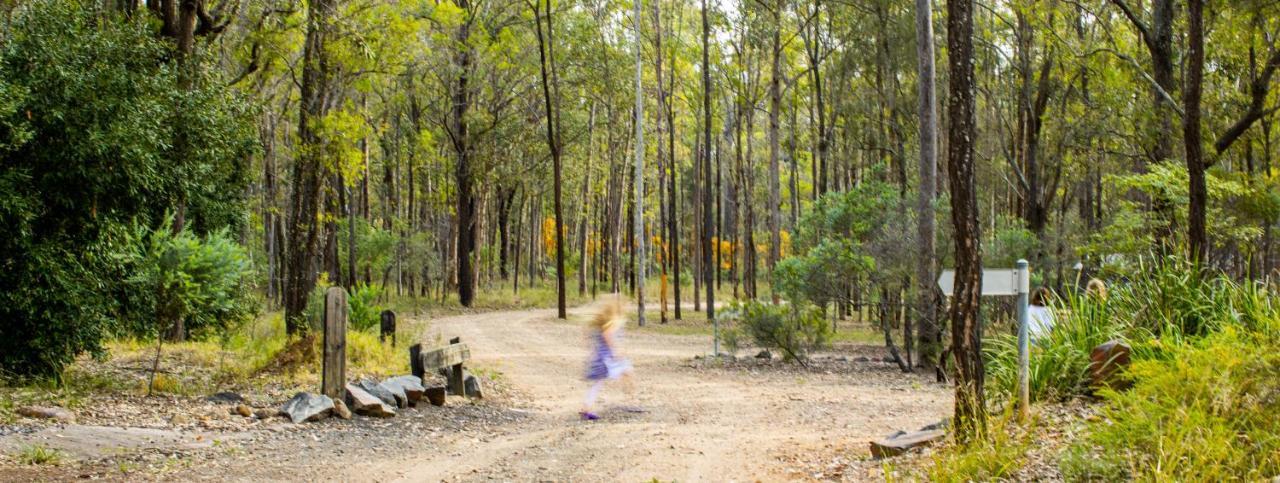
column 1024, row 351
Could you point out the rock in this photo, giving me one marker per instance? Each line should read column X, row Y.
column 179, row 420
column 436, row 395
column 366, row 404
column 764, row 354
column 397, row 391
column 862, row 359
column 900, row 442
column 940, row 425
column 266, row 413
column 47, row 412
column 243, row 410
column 378, row 390
column 340, row 410
column 409, row 385
column 1106, row 361
column 307, row 406
column 472, row 386
column 225, row 398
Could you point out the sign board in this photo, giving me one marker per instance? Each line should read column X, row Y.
column 999, row 281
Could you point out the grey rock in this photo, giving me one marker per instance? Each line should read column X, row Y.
column 378, row 390
column 366, row 404
column 764, row 354
column 472, row 386
column 410, row 386
column 306, row 406
column 940, row 425
column 47, row 412
column 225, row 397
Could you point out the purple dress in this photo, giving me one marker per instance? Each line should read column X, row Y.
column 603, row 363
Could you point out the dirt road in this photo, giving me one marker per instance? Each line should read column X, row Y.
column 699, row 422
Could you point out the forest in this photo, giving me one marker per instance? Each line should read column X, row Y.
column 765, row 173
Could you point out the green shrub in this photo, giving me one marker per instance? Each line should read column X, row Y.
column 795, row 329
column 90, row 108
column 39, row 455
column 995, row 456
column 1207, row 412
column 365, row 313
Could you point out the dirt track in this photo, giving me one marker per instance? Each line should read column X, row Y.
column 699, row 423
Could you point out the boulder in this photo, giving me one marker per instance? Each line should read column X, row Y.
column 764, row 354
column 901, row 442
column 225, row 397
column 243, row 410
column 410, row 386
column 306, row 406
column 366, row 404
column 47, row 412
column 1105, row 362
column 436, row 395
column 472, row 385
column 340, row 410
column 379, row 391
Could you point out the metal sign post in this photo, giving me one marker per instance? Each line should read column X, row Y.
column 1005, row 282
column 1024, row 351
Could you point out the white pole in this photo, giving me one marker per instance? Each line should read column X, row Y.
column 1024, row 353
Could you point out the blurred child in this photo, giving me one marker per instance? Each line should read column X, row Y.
column 1041, row 317
column 605, row 364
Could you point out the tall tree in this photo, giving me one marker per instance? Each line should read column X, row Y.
column 309, row 171
column 547, row 56
column 1196, row 237
column 966, row 329
column 708, row 267
column 926, row 266
column 461, row 142
column 638, row 256
column 775, row 112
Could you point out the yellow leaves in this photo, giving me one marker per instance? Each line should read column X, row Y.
column 339, row 133
column 449, row 14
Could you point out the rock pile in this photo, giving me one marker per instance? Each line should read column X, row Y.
column 370, row 398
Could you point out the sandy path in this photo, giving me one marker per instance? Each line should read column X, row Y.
column 699, row 424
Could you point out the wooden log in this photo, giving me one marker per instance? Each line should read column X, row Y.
column 334, row 374
column 388, row 327
column 448, row 356
column 901, row 442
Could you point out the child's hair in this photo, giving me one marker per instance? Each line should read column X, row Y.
column 1040, row 296
column 1096, row 289
column 610, row 316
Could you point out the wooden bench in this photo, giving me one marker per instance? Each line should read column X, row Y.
column 452, row 357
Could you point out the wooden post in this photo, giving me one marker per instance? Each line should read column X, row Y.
column 388, row 327
column 335, row 342
column 415, row 361
column 456, row 378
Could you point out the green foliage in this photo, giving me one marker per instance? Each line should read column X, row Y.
column 38, row 455
column 1205, row 413
column 365, row 313
column 995, row 456
column 90, row 110
column 203, row 282
column 795, row 330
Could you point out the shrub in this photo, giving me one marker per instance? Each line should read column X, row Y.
column 183, row 284
column 794, row 330
column 1205, row 413
column 995, row 456
column 90, row 107
column 365, row 313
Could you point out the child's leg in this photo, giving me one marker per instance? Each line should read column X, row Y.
column 592, row 393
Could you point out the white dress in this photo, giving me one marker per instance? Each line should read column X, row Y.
column 1039, row 322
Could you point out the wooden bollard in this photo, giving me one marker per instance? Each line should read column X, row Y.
column 334, row 374
column 388, row 327
column 456, row 377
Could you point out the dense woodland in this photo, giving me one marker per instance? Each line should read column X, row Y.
column 837, row 153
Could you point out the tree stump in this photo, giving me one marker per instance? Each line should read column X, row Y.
column 388, row 327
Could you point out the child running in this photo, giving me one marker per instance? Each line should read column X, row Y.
column 604, row 365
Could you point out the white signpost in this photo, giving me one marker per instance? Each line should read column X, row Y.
column 1004, row 282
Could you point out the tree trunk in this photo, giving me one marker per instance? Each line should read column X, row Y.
column 926, row 267
column 308, row 171
column 775, row 108
column 1196, row 236
column 966, row 329
column 546, row 56
column 708, row 267
column 639, row 254
column 466, row 202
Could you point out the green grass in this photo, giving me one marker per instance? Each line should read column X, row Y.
column 997, row 456
column 38, row 455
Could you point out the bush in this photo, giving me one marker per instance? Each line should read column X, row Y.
column 1205, row 413
column 184, row 285
column 365, row 312
column 794, row 330
column 90, row 107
